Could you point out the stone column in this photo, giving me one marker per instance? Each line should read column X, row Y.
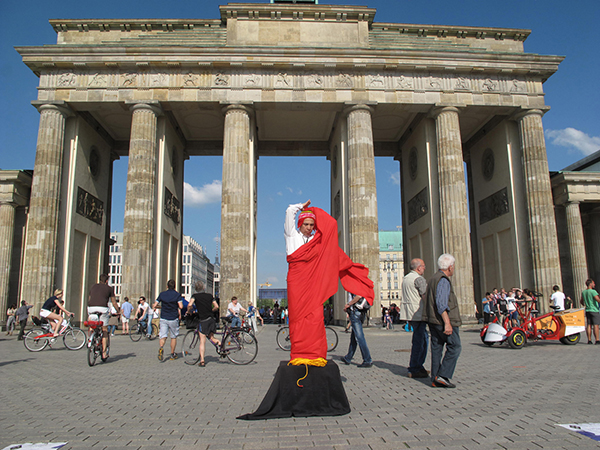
column 453, row 206
column 39, row 266
column 542, row 223
column 7, row 232
column 236, row 209
column 577, row 247
column 362, row 193
column 140, row 203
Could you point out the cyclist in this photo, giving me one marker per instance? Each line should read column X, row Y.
column 54, row 319
column 100, row 294
column 205, row 305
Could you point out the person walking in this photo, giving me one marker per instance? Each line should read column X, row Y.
column 126, row 310
column 171, row 304
column 414, row 287
column 590, row 300
column 357, row 316
column 442, row 314
column 22, row 314
column 10, row 320
column 205, row 306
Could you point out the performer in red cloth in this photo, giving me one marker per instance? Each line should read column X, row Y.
column 315, row 264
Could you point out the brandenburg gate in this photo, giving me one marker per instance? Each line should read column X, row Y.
column 460, row 109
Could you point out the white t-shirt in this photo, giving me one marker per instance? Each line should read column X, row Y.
column 234, row 308
column 558, row 299
column 293, row 238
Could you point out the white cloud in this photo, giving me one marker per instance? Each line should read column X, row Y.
column 574, row 139
column 395, row 178
column 280, row 194
column 217, row 239
column 290, row 189
column 199, row 197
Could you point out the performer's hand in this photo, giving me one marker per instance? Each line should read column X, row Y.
column 306, row 205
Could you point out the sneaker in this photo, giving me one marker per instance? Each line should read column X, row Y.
column 160, row 354
column 420, row 374
column 174, row 356
column 365, row 365
column 442, row 382
column 344, row 360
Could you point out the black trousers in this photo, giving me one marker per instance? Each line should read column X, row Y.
column 22, row 331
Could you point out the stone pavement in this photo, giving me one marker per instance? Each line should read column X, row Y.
column 505, row 399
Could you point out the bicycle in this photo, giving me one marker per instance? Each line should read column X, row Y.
column 95, row 342
column 140, row 329
column 38, row 339
column 237, row 345
column 284, row 343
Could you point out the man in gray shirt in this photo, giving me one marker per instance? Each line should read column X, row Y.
column 414, row 287
column 22, row 315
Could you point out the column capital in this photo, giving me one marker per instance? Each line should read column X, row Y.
column 440, row 109
column 246, row 107
column 151, row 105
column 59, row 106
column 366, row 106
column 529, row 112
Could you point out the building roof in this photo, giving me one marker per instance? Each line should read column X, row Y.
column 390, row 241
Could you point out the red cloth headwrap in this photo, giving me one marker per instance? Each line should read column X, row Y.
column 307, row 214
column 313, row 274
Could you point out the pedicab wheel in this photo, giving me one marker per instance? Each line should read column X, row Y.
column 517, row 339
column 571, row 340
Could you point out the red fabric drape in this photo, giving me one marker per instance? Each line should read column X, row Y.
column 313, row 274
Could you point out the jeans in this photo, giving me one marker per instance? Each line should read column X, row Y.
column 420, row 342
column 444, row 367
column 111, row 329
column 236, row 321
column 357, row 337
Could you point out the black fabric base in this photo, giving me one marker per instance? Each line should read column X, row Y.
column 322, row 395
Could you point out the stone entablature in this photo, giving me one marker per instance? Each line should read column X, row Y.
column 575, row 187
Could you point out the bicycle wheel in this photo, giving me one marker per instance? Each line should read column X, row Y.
column 191, row 347
column 571, row 340
column 33, row 342
column 94, row 349
column 107, row 347
column 74, row 339
column 332, row 339
column 241, row 347
column 154, row 333
column 283, row 339
column 136, row 333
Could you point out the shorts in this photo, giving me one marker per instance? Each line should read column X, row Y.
column 514, row 315
column 208, row 326
column 102, row 312
column 169, row 327
column 124, row 319
column 593, row 318
column 45, row 313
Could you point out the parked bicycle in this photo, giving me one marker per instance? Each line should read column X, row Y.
column 38, row 339
column 140, row 329
column 94, row 342
column 283, row 338
column 237, row 345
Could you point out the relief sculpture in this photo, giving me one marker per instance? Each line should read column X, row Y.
column 417, row 206
column 172, row 206
column 90, row 207
column 493, row 206
column 221, row 79
column 343, row 80
column 67, row 79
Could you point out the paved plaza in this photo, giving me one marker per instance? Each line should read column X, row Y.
column 505, row 399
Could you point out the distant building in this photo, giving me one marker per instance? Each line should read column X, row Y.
column 272, row 294
column 391, row 266
column 195, row 265
column 115, row 262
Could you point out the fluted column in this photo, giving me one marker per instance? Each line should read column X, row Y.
column 454, row 206
column 362, row 193
column 140, row 203
column 542, row 223
column 577, row 246
column 39, row 266
column 236, row 209
column 7, row 232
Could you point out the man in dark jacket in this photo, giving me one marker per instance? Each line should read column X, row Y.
column 442, row 313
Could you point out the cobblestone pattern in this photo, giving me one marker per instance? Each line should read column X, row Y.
column 505, row 399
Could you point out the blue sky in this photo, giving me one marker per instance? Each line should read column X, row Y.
column 558, row 28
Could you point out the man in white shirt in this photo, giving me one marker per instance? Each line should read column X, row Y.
column 558, row 299
column 295, row 238
column 233, row 310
